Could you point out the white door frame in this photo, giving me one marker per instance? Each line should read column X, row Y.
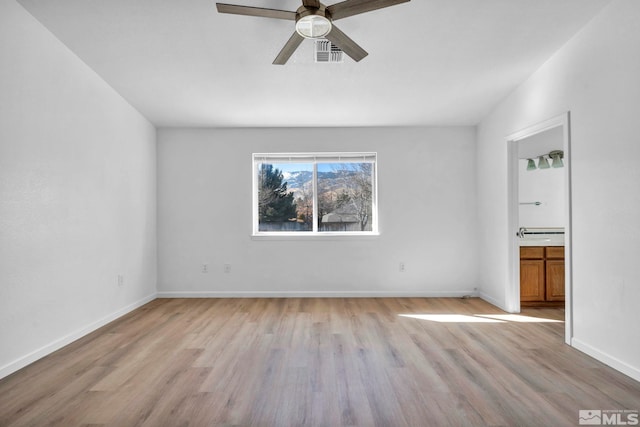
column 513, row 287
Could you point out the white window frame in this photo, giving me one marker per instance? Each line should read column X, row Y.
column 314, row 159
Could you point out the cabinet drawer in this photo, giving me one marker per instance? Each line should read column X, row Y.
column 531, row 252
column 555, row 252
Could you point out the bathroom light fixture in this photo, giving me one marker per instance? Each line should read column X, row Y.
column 557, row 156
column 543, row 160
column 543, row 163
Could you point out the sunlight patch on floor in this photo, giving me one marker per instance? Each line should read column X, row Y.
column 519, row 318
column 480, row 318
column 452, row 318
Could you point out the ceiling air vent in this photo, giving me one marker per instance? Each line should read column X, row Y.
column 327, row 51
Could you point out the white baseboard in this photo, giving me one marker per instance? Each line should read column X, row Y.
column 23, row 361
column 313, row 294
column 607, row 359
column 492, row 301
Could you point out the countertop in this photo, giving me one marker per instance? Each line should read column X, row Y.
column 538, row 236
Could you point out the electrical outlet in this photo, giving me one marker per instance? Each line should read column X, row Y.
column 120, row 280
column 227, row 268
column 205, row 268
column 401, row 267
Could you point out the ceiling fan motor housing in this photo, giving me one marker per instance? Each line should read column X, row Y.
column 313, row 23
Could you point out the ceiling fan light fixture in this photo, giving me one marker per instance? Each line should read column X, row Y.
column 313, row 26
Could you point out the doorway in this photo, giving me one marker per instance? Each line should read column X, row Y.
column 529, row 143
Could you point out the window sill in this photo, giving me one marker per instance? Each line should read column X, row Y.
column 315, row 236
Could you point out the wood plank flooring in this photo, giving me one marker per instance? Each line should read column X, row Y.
column 317, row 362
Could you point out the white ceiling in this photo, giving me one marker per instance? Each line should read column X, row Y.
column 431, row 62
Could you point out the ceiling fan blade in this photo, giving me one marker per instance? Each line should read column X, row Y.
column 255, row 11
column 354, row 7
column 347, row 45
column 311, row 3
column 288, row 49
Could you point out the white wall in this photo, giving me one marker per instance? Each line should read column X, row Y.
column 595, row 76
column 77, row 196
column 545, row 186
column 427, row 216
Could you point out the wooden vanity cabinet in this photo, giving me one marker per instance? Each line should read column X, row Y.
column 541, row 275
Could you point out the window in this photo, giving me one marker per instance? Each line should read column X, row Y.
column 314, row 194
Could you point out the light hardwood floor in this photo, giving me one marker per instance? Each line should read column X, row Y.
column 316, row 362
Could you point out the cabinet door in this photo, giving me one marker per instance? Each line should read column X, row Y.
column 555, row 280
column 532, row 280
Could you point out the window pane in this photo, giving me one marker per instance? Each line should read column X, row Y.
column 345, row 196
column 285, row 197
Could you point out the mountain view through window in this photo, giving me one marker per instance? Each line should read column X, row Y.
column 319, row 196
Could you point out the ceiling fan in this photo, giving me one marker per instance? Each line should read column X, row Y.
column 314, row 20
